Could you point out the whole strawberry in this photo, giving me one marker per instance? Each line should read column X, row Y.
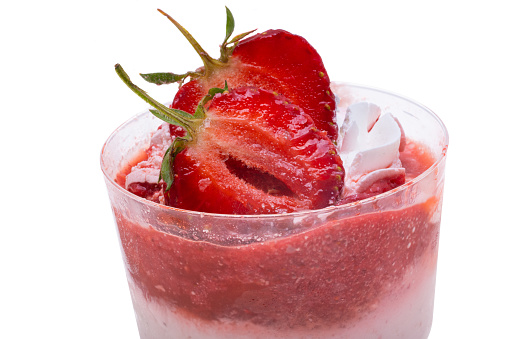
column 247, row 151
column 275, row 60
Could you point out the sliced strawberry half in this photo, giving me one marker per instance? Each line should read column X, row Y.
column 275, row 60
column 257, row 154
column 247, row 151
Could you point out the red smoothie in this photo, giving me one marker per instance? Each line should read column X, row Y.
column 365, row 269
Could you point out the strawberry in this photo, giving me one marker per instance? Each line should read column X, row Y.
column 275, row 60
column 247, row 151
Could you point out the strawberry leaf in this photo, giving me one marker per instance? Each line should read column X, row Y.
column 165, row 78
column 239, row 37
column 177, row 117
column 200, row 112
column 228, row 47
column 230, row 25
column 215, row 90
column 200, row 109
column 173, row 113
column 167, row 174
column 166, row 118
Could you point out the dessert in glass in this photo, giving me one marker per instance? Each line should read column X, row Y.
column 362, row 266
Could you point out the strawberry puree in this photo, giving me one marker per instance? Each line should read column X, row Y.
column 405, row 313
column 329, row 276
column 318, row 278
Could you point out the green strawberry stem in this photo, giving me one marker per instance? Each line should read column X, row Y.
column 230, row 26
column 173, row 116
column 210, row 63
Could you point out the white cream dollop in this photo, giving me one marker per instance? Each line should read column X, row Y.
column 147, row 171
column 369, row 147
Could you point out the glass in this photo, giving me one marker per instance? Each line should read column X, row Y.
column 361, row 270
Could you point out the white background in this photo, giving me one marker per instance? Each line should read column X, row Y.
column 61, row 272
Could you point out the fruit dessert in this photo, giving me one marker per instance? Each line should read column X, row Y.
column 244, row 211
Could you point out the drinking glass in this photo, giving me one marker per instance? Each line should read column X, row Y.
column 360, row 270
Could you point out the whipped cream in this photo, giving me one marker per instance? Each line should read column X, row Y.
column 147, row 171
column 370, row 143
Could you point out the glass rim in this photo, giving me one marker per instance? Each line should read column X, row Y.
column 296, row 214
